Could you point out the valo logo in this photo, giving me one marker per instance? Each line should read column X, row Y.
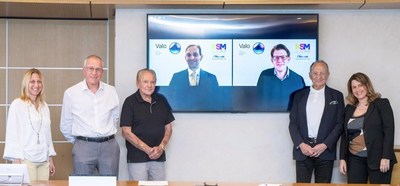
column 258, row 48
column 175, row 48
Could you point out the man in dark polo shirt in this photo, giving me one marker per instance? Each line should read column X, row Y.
column 146, row 119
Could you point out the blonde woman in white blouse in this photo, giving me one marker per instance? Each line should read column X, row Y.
column 28, row 132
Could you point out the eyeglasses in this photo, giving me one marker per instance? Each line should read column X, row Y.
column 276, row 58
column 194, row 54
column 92, row 69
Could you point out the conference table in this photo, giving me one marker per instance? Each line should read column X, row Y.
column 179, row 183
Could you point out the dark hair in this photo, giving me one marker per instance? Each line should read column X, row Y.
column 198, row 46
column 280, row 47
column 363, row 79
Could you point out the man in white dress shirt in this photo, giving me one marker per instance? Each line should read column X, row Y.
column 316, row 123
column 90, row 114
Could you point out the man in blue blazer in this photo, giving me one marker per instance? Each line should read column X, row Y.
column 194, row 89
column 316, row 120
column 193, row 57
column 182, row 79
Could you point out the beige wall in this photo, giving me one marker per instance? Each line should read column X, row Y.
column 57, row 48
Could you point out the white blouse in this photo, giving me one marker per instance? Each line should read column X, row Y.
column 28, row 132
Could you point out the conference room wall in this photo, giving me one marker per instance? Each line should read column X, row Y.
column 257, row 146
column 57, row 48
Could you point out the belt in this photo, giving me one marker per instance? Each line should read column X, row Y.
column 98, row 139
column 312, row 141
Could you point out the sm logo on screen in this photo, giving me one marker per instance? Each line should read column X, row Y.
column 303, row 46
column 220, row 46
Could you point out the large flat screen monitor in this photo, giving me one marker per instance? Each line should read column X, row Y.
column 231, row 62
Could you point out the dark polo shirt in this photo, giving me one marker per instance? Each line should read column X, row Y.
column 148, row 123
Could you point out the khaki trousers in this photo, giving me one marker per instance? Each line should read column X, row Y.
column 37, row 171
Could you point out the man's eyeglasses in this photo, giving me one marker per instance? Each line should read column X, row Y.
column 92, row 69
column 276, row 58
column 194, row 54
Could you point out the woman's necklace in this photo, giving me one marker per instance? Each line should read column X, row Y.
column 40, row 127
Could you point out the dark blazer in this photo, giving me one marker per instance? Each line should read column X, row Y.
column 331, row 122
column 182, row 79
column 378, row 132
column 203, row 97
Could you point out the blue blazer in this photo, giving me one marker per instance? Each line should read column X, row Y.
column 378, row 129
column 184, row 97
column 182, row 79
column 331, row 126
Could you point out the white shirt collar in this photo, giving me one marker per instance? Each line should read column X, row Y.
column 85, row 87
column 191, row 71
column 315, row 91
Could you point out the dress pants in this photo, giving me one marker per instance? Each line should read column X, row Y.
column 92, row 158
column 322, row 170
column 147, row 171
column 359, row 172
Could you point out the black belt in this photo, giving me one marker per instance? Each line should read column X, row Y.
column 312, row 141
column 98, row 139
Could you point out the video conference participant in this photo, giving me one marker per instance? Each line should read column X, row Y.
column 316, row 122
column 146, row 119
column 89, row 118
column 193, row 75
column 366, row 148
column 28, row 131
column 275, row 85
column 194, row 88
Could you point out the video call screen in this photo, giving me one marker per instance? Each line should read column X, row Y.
column 236, row 50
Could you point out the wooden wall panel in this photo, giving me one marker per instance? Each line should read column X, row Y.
column 62, row 161
column 3, row 86
column 1, row 153
column 56, row 82
column 14, row 84
column 55, row 112
column 2, row 125
column 55, row 43
column 396, row 169
column 111, row 52
column 2, row 42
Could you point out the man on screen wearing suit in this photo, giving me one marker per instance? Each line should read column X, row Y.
column 193, row 75
column 316, row 119
column 194, row 88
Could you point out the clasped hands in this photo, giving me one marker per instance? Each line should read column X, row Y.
column 155, row 152
column 315, row 151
